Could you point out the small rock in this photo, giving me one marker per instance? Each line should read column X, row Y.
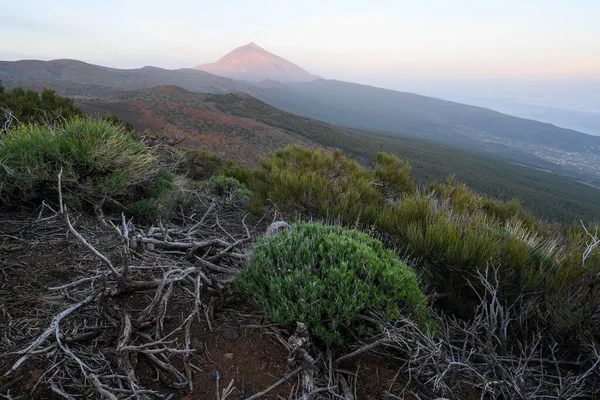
column 214, row 374
column 277, row 227
column 230, row 334
column 264, row 365
column 228, row 356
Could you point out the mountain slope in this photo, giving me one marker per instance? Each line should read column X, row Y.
column 74, row 77
column 192, row 120
column 518, row 140
column 253, row 63
column 240, row 126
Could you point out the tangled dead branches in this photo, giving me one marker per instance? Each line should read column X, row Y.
column 118, row 321
column 480, row 354
column 111, row 333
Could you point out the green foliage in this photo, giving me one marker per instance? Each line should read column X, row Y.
column 98, row 160
column 200, row 165
column 452, row 230
column 315, row 183
column 393, row 176
column 326, row 277
column 156, row 202
column 222, row 185
column 229, row 189
column 28, row 106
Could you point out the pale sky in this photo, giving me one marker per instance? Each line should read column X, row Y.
column 334, row 38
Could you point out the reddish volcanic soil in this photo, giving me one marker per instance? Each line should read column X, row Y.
column 202, row 127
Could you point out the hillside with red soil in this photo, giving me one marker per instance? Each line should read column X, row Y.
column 194, row 120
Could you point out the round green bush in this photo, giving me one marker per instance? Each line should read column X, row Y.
column 327, row 277
column 98, row 160
column 229, row 189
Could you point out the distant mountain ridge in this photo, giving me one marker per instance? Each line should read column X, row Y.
column 253, row 63
column 73, row 77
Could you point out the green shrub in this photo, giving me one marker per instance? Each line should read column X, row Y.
column 431, row 237
column 474, row 246
column 157, row 200
column 228, row 188
column 28, row 106
column 414, row 209
column 200, row 165
column 505, row 212
column 314, row 183
column 393, row 176
column 327, row 276
column 98, row 160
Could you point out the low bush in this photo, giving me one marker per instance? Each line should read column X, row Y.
column 200, row 165
column 451, row 230
column 98, row 160
column 228, row 189
column 156, row 203
column 25, row 106
column 327, row 277
column 392, row 176
column 313, row 182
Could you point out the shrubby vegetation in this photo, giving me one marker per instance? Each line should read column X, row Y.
column 230, row 190
column 25, row 106
column 312, row 183
column 327, row 276
column 199, row 165
column 99, row 161
column 451, row 229
column 156, row 200
column 546, row 195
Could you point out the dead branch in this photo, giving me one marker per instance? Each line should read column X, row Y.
column 63, row 211
column 185, row 245
column 52, row 328
column 103, row 320
column 590, row 245
column 284, row 379
column 8, row 118
column 362, row 350
column 476, row 353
